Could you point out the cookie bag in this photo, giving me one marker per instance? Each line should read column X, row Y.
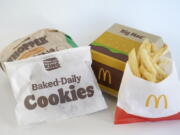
column 54, row 86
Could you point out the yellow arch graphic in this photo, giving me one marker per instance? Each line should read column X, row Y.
column 105, row 73
column 157, row 100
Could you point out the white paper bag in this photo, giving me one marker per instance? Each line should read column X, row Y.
column 55, row 86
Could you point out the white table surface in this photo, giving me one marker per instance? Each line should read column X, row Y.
column 85, row 20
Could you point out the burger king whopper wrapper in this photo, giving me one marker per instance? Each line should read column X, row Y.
column 38, row 43
column 54, row 86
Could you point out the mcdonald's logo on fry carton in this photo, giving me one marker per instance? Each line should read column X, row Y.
column 104, row 73
column 157, row 100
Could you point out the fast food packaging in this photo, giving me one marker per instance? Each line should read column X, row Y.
column 54, row 86
column 140, row 99
column 40, row 42
column 110, row 54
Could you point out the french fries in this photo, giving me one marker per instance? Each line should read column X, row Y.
column 146, row 75
column 134, row 63
column 147, row 62
column 160, row 53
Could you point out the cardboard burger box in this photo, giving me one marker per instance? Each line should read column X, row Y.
column 110, row 54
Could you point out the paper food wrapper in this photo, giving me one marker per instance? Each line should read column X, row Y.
column 141, row 100
column 55, row 86
column 40, row 42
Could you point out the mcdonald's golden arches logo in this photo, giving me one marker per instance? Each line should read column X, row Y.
column 105, row 73
column 157, row 100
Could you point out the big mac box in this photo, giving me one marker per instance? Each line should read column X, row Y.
column 110, row 54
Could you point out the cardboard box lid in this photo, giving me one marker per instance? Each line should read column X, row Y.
column 121, row 39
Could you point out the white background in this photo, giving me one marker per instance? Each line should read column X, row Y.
column 84, row 21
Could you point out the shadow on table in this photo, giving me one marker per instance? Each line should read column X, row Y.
column 7, row 102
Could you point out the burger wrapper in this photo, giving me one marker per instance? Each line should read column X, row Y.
column 41, row 42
